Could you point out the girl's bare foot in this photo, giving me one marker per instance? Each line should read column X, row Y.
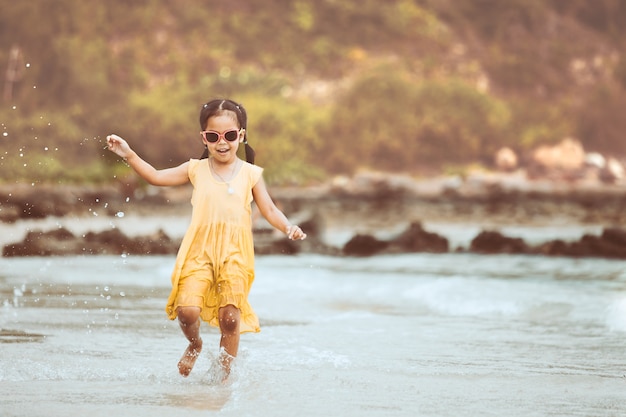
column 186, row 363
column 225, row 361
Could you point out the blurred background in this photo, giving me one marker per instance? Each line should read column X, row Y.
column 420, row 87
column 372, row 118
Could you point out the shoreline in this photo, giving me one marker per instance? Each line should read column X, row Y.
column 380, row 207
column 383, row 198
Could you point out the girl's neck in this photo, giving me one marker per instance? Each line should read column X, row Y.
column 215, row 163
column 224, row 169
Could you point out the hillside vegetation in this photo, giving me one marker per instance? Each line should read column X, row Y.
column 330, row 86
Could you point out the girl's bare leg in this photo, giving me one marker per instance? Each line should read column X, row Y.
column 229, row 317
column 189, row 321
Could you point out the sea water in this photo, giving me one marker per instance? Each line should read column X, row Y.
column 405, row 335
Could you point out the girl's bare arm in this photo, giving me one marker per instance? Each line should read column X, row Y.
column 272, row 214
column 169, row 176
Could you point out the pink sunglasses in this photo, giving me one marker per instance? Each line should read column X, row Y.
column 213, row 136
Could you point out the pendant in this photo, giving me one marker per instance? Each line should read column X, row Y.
column 231, row 190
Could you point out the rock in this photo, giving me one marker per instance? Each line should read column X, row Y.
column 566, row 155
column 39, row 243
column 364, row 245
column 608, row 170
column 610, row 244
column 491, row 242
column 614, row 235
column 313, row 226
column 40, row 201
column 62, row 242
column 9, row 213
column 269, row 241
column 416, row 239
column 270, row 244
column 616, row 168
column 506, row 159
column 413, row 239
column 555, row 247
column 598, row 246
column 113, row 241
column 158, row 243
column 373, row 185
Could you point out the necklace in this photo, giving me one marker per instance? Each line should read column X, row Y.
column 230, row 190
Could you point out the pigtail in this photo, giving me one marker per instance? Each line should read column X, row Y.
column 249, row 153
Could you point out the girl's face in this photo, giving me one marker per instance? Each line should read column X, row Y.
column 223, row 151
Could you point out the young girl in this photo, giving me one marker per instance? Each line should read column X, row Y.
column 214, row 268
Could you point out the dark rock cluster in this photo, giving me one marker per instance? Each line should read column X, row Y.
column 610, row 244
column 62, row 242
column 360, row 201
column 413, row 239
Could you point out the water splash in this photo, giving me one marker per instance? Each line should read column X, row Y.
column 616, row 315
column 18, row 293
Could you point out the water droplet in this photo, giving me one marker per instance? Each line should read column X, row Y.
column 119, row 214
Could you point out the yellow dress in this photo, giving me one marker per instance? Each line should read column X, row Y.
column 215, row 262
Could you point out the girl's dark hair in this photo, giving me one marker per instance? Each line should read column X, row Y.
column 217, row 107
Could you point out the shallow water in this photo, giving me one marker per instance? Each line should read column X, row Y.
column 409, row 335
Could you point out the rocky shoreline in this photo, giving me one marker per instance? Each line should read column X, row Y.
column 611, row 243
column 362, row 205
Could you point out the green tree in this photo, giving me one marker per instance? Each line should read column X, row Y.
column 389, row 121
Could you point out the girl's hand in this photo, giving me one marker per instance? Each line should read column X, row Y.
column 118, row 146
column 294, row 232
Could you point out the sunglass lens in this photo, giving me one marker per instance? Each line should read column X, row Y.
column 212, row 137
column 231, row 135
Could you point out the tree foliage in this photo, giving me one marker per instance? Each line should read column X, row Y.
column 396, row 124
column 330, row 86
